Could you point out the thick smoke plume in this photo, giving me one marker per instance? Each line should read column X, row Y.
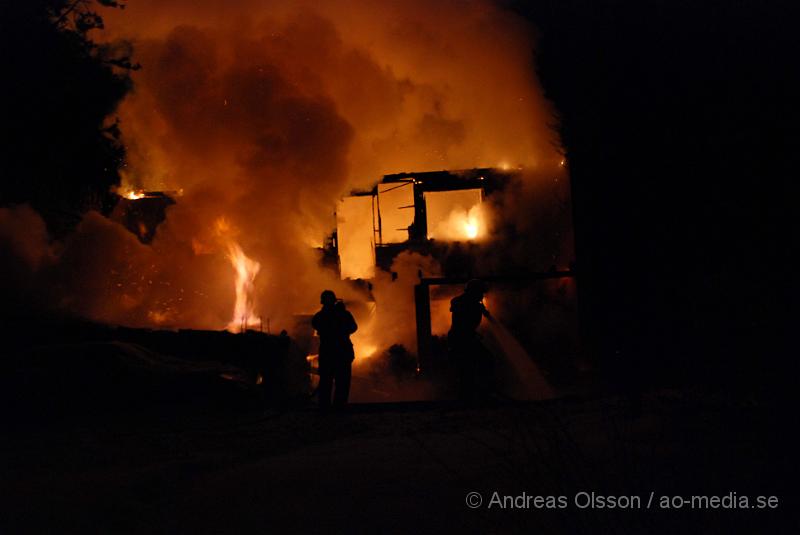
column 262, row 115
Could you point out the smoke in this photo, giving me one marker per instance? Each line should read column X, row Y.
column 263, row 114
column 392, row 321
column 25, row 249
column 424, row 85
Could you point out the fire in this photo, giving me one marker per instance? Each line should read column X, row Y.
column 458, row 215
column 462, row 225
column 246, row 270
column 471, row 228
column 133, row 194
column 365, row 345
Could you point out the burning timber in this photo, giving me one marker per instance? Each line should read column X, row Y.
column 452, row 219
column 142, row 212
column 414, row 212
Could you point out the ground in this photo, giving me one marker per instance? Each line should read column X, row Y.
column 394, row 467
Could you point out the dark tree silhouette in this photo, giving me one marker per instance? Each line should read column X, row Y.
column 60, row 148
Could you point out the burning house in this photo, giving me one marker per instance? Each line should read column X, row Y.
column 263, row 144
column 412, row 212
column 455, row 221
column 405, row 248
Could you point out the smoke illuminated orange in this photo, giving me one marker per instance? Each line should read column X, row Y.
column 272, row 112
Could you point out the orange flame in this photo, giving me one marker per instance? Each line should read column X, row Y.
column 471, row 227
column 133, row 194
column 462, row 225
column 246, row 271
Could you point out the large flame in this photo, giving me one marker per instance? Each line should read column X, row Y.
column 246, row 271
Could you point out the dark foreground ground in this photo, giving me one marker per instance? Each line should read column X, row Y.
column 399, row 468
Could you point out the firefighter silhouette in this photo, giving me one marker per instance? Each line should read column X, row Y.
column 334, row 324
column 472, row 361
